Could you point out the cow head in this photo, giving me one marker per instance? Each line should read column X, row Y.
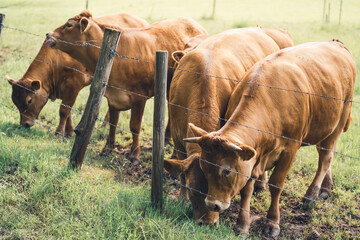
column 28, row 98
column 226, row 167
column 197, row 185
column 73, row 34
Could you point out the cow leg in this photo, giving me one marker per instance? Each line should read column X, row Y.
column 64, row 114
column 261, row 185
column 244, row 218
column 69, row 126
column 137, row 111
column 326, row 185
column 276, row 183
column 113, row 120
column 167, row 133
column 325, row 158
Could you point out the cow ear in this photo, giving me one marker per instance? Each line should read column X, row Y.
column 35, row 85
column 10, row 80
column 84, row 24
column 177, row 167
column 177, row 55
column 245, row 152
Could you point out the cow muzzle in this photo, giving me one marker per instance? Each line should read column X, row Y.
column 216, row 205
column 28, row 124
column 50, row 40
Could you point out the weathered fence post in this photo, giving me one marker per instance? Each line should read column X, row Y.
column 87, row 4
column 157, row 173
column 101, row 76
column 2, row 18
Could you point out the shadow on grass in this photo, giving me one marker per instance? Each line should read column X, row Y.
column 11, row 129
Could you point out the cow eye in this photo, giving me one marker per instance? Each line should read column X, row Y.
column 68, row 25
column 226, row 172
column 29, row 101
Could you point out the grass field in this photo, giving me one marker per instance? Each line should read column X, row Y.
column 109, row 199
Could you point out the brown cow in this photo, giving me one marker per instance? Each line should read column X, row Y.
column 249, row 143
column 227, row 55
column 54, row 74
column 133, row 76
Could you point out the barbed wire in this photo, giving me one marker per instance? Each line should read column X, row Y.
column 321, row 148
column 219, row 166
column 87, row 43
column 123, row 129
column 21, row 30
column 243, row 125
column 48, row 63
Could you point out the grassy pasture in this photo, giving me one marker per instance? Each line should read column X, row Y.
column 108, row 199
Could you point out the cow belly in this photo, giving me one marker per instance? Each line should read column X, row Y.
column 118, row 99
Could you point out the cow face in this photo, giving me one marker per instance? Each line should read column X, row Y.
column 197, row 186
column 226, row 167
column 27, row 98
column 71, row 34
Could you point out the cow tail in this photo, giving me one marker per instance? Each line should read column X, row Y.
column 88, row 78
column 347, row 124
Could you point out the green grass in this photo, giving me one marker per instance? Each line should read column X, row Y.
column 41, row 199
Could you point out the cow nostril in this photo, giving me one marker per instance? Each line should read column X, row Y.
column 200, row 223
column 48, row 35
column 216, row 208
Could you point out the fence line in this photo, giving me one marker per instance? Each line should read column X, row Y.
column 86, row 43
column 174, row 182
column 209, row 115
column 240, row 174
column 243, row 125
column 227, row 120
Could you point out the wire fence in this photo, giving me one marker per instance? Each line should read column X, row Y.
column 79, row 112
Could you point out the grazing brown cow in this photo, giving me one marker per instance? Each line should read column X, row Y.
column 249, row 143
column 227, row 55
column 54, row 74
column 128, row 74
column 280, row 36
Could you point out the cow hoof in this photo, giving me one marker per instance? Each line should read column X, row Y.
column 68, row 135
column 255, row 218
column 258, row 190
column 271, row 229
column 135, row 161
column 59, row 133
column 324, row 195
column 311, row 194
column 243, row 235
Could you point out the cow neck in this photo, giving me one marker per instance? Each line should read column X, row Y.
column 91, row 54
column 41, row 69
column 246, row 126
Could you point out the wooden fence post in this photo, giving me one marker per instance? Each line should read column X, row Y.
column 2, row 18
column 87, row 4
column 157, row 173
column 101, row 76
